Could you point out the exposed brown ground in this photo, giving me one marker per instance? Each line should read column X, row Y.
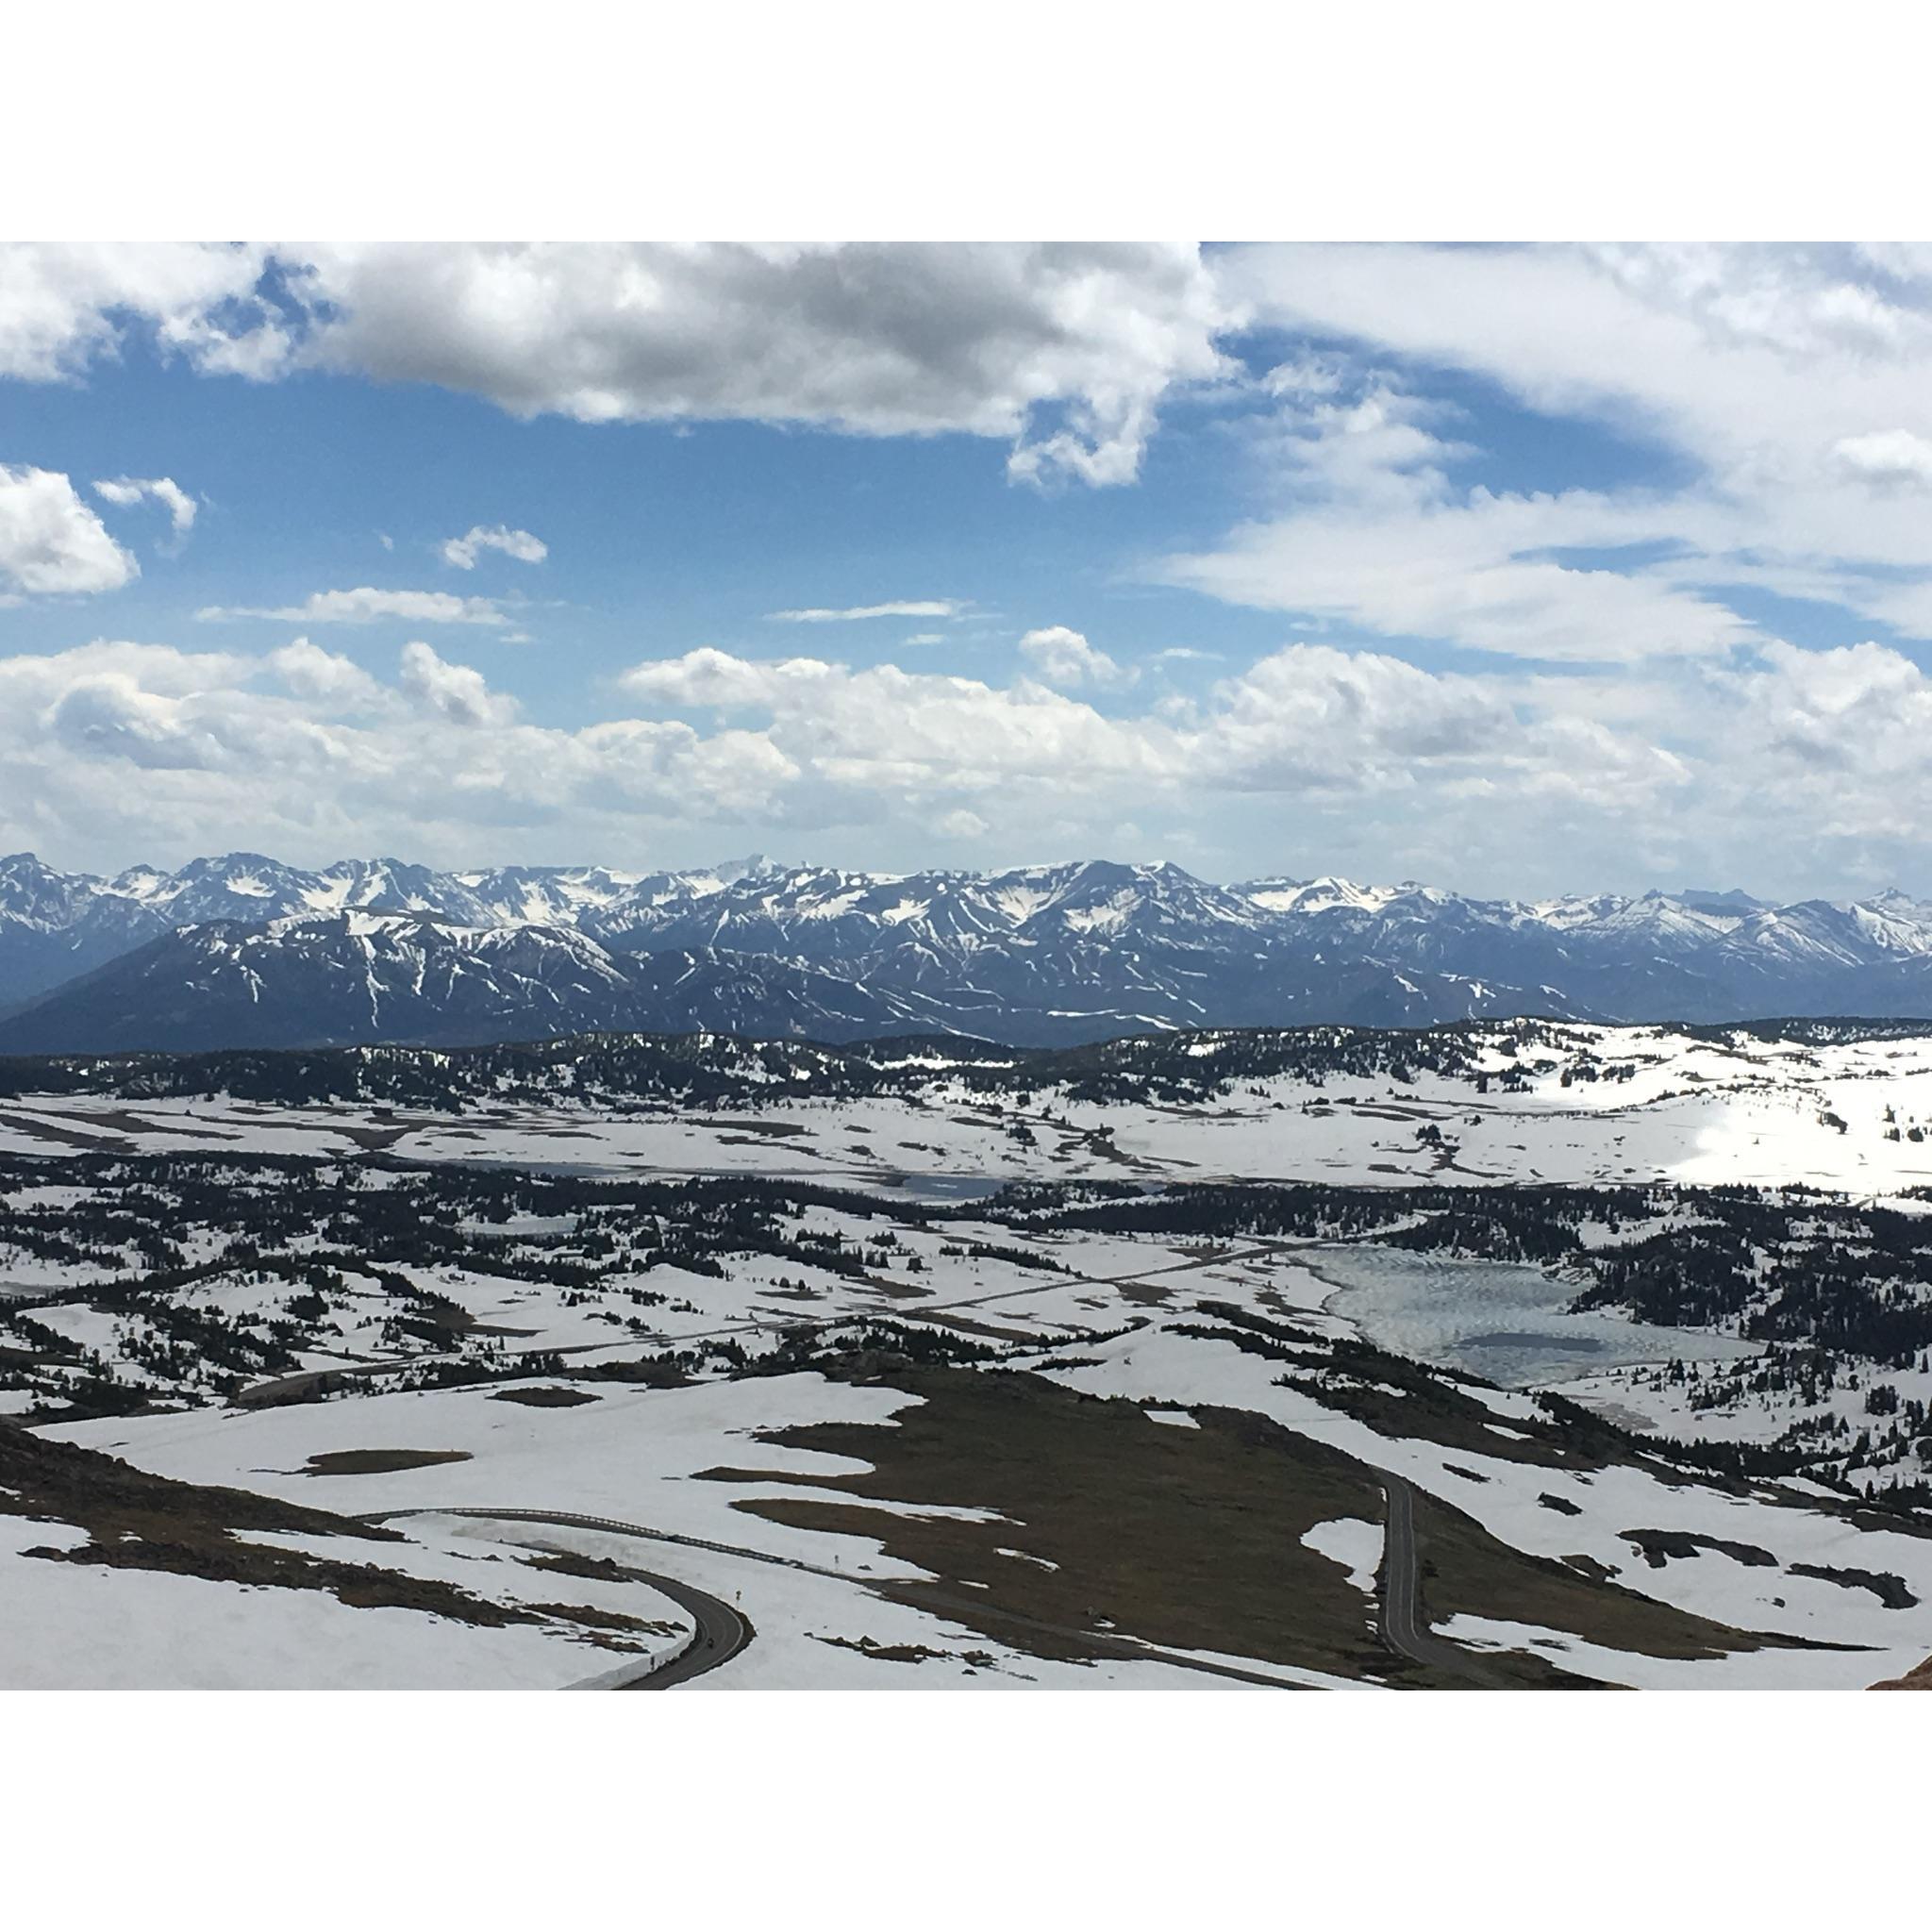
column 1187, row 1538
column 378, row 1461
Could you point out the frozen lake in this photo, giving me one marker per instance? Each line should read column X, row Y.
column 940, row 1187
column 1499, row 1319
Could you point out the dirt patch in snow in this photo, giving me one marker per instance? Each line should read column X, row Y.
column 1659, row 1546
column 378, row 1461
column 1888, row 1588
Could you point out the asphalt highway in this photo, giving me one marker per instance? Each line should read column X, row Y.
column 1402, row 1627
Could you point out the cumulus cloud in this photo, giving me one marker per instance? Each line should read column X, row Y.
column 309, row 671
column 125, row 492
column 1310, row 712
column 366, row 606
column 1305, row 719
column 519, row 544
column 870, row 340
column 51, row 542
column 458, row 692
column 1887, row 457
column 1065, row 351
column 717, row 679
column 858, row 614
column 1064, row 657
column 109, row 715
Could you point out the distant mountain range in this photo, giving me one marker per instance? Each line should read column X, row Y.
column 243, row 951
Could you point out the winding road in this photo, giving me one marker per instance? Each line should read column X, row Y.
column 722, row 1632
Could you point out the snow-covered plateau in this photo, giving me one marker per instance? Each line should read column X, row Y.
column 1516, row 1354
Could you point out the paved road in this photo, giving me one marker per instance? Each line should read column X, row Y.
column 1404, row 1628
column 721, row 1631
column 699, row 1658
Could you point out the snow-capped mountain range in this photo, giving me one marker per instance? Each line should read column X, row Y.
column 242, row 950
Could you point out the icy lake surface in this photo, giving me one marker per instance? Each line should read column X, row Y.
column 943, row 1187
column 1499, row 1319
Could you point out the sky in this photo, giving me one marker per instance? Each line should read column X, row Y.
column 1515, row 570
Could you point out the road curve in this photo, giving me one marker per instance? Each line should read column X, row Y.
column 1403, row 1629
column 722, row 1632
column 1121, row 1643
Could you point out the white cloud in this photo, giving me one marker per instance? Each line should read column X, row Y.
column 1778, row 767
column 1791, row 388
column 926, row 637
column 888, row 339
column 1307, row 718
column 1064, row 657
column 125, row 492
column 311, row 671
column 109, row 715
column 1065, row 351
column 458, row 691
column 1381, row 540
column 62, row 306
column 51, row 542
column 1474, row 571
column 1887, row 457
column 519, row 544
column 716, row 679
column 858, row 614
column 366, row 606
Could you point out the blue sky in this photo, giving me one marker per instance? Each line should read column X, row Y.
column 1519, row 570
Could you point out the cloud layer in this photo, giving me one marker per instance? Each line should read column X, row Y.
column 1808, row 757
